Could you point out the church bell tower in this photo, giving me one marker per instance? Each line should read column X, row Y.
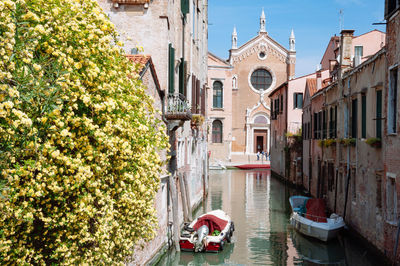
column 262, row 22
column 234, row 38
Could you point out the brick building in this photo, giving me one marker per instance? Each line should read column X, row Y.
column 391, row 129
column 240, row 88
column 175, row 34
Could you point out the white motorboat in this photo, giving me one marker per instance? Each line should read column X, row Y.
column 209, row 232
column 309, row 218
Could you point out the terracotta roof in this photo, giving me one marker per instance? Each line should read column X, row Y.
column 311, row 85
column 139, row 58
column 145, row 62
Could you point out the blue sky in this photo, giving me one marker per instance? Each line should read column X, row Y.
column 313, row 22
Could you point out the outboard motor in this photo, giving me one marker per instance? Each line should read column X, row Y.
column 202, row 232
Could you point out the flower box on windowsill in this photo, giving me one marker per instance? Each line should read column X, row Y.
column 374, row 142
column 348, row 142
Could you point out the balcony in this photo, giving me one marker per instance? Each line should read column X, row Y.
column 177, row 108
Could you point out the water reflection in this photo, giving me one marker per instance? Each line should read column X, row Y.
column 259, row 206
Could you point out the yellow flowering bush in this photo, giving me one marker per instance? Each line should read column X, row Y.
column 79, row 139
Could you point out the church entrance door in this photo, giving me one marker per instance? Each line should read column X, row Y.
column 260, row 140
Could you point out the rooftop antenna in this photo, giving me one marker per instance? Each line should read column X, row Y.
column 341, row 19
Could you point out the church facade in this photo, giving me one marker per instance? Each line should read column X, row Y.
column 239, row 112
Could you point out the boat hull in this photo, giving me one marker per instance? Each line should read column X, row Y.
column 321, row 231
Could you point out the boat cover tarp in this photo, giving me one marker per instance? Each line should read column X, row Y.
column 316, row 210
column 213, row 223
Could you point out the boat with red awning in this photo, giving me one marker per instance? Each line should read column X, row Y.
column 209, row 232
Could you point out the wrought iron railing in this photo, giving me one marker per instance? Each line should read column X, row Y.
column 177, row 107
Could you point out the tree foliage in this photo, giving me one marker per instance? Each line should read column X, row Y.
column 79, row 138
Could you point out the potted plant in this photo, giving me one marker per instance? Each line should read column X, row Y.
column 197, row 120
column 329, row 142
column 374, row 142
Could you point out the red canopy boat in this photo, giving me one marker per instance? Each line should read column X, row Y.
column 208, row 233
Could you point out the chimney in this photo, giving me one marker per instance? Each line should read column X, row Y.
column 346, row 42
column 319, row 78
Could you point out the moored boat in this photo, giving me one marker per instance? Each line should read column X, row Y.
column 209, row 232
column 309, row 218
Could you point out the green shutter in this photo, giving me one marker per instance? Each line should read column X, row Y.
column 363, row 116
column 379, row 114
column 182, row 75
column 185, row 6
column 171, row 66
column 354, row 118
column 335, row 134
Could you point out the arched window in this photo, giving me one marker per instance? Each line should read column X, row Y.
column 260, row 120
column 217, row 94
column 217, row 131
column 234, row 83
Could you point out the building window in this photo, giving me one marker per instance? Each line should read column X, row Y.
column 391, row 7
column 330, row 123
column 315, row 126
column 319, row 133
column 260, row 120
column 261, row 79
column 354, row 118
column 392, row 101
column 234, row 83
column 363, row 116
column 217, row 94
column 358, row 51
column 391, row 198
column 217, row 131
column 324, row 123
column 335, row 123
column 281, row 110
column 298, row 100
column 171, row 69
column 276, row 106
column 379, row 114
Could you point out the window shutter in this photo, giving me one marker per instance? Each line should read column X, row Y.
column 363, row 116
column 185, row 6
column 335, row 125
column 171, row 72
column 182, row 74
column 299, row 100
column 354, row 119
column 294, row 100
column 379, row 114
column 193, row 93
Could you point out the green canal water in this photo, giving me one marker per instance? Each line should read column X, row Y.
column 259, row 206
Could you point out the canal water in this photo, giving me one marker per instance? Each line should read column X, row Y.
column 259, row 206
